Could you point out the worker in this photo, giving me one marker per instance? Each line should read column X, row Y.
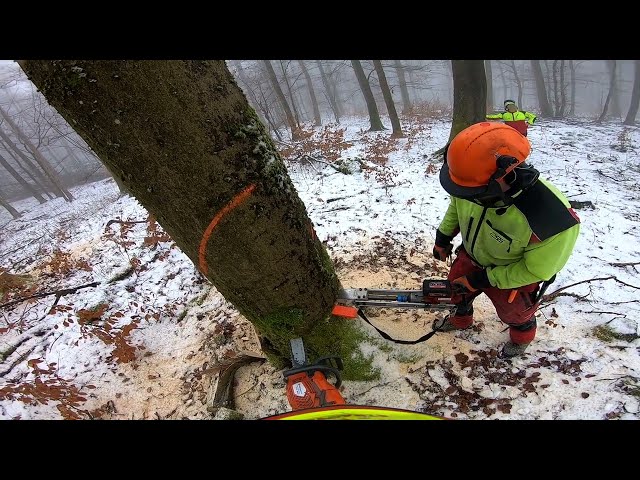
column 512, row 116
column 518, row 230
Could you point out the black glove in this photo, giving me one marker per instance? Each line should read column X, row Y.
column 443, row 247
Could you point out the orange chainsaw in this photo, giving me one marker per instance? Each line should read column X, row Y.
column 307, row 384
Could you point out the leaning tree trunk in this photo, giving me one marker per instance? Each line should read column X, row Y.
column 12, row 171
column 469, row 94
column 543, row 100
column 42, row 162
column 388, row 99
column 612, row 86
column 312, row 94
column 296, row 115
column 635, row 97
column 489, row 72
column 185, row 142
column 4, row 203
column 365, row 88
column 282, row 99
column 404, row 91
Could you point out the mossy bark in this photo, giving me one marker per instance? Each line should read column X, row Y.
column 183, row 140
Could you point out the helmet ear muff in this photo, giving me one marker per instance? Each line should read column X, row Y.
column 506, row 164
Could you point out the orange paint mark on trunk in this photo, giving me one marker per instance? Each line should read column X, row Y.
column 235, row 201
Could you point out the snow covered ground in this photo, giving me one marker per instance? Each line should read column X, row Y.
column 142, row 338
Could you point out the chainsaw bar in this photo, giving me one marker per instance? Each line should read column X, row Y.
column 365, row 297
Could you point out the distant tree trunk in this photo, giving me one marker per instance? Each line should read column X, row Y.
column 211, row 175
column 329, row 92
column 43, row 162
column 46, row 182
column 612, row 83
column 556, row 91
column 490, row 100
column 469, row 94
column 312, row 94
column 503, row 79
column 21, row 180
column 4, row 203
column 563, row 90
column 30, row 170
column 635, row 97
column 296, row 115
column 388, row 99
column 260, row 111
column 404, row 91
column 516, row 77
column 365, row 88
column 614, row 105
column 543, row 100
column 572, row 108
column 281, row 98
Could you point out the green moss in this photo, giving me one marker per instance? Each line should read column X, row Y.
column 407, row 358
column 607, row 334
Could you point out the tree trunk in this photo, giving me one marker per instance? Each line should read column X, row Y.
column 572, row 70
column 543, row 100
column 556, row 91
column 388, row 100
column 404, row 91
column 296, row 115
column 616, row 111
column 21, row 180
column 281, row 98
column 635, row 97
column 365, row 88
column 185, row 142
column 563, row 90
column 469, row 94
column 503, row 79
column 329, row 92
column 612, row 83
column 43, row 162
column 4, row 203
column 30, row 169
column 312, row 94
column 490, row 100
column 252, row 96
column 516, row 77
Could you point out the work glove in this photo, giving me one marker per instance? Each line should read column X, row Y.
column 472, row 282
column 443, row 247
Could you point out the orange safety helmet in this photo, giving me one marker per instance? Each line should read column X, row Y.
column 479, row 155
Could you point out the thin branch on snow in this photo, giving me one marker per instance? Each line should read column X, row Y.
column 60, row 293
column 556, row 293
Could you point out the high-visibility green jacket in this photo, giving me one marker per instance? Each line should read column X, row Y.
column 517, row 120
column 527, row 242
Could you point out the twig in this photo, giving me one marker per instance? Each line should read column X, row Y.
column 624, row 264
column 556, row 293
column 123, row 223
column 335, row 209
column 612, row 178
column 610, row 313
column 60, row 293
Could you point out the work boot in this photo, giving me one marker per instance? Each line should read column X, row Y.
column 446, row 325
column 510, row 350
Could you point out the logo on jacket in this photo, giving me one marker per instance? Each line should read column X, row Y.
column 496, row 237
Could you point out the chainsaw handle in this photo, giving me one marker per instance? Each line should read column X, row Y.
column 310, row 369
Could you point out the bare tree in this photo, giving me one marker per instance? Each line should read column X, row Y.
column 635, row 97
column 612, row 87
column 211, row 175
column 281, row 98
column 42, row 162
column 490, row 100
column 543, row 100
column 404, row 91
column 614, row 105
column 283, row 69
column 4, row 203
column 388, row 99
column 312, row 94
column 469, row 94
column 329, row 94
column 572, row 79
column 365, row 88
column 32, row 191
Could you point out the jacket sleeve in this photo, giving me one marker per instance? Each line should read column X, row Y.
column 449, row 225
column 493, row 116
column 541, row 261
column 530, row 117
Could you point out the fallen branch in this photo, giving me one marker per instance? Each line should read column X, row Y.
column 59, row 293
column 305, row 156
column 624, row 264
column 556, row 293
column 122, row 222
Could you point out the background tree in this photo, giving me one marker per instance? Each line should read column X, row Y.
column 404, row 91
column 282, row 99
column 635, row 97
column 469, row 94
column 489, row 71
column 185, row 142
column 612, row 88
column 388, row 99
column 312, row 94
column 541, row 90
column 374, row 117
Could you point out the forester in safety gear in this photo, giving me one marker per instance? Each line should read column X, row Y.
column 517, row 229
column 518, row 119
